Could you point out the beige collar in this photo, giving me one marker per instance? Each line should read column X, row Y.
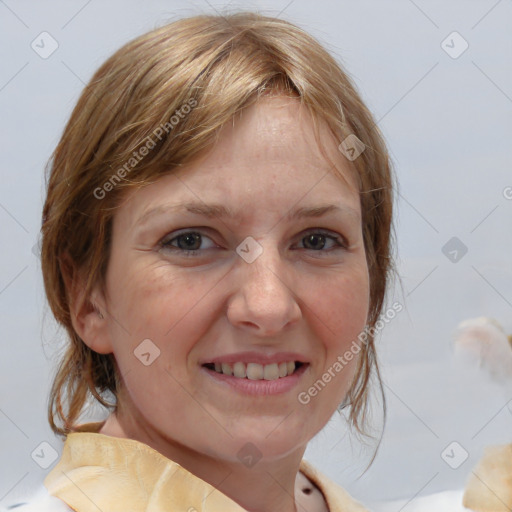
column 103, row 473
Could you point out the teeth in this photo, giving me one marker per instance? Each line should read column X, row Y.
column 255, row 371
column 226, row 369
column 271, row 371
column 239, row 370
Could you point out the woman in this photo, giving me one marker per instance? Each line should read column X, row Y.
column 216, row 242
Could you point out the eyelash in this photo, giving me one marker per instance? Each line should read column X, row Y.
column 166, row 244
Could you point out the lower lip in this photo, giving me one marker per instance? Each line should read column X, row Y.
column 259, row 387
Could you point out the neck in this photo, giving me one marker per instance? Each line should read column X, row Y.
column 267, row 486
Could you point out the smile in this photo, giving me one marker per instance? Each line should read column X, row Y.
column 255, row 378
column 255, row 371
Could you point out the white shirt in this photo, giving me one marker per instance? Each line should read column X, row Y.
column 447, row 501
column 40, row 501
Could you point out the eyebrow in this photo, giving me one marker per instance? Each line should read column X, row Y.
column 221, row 211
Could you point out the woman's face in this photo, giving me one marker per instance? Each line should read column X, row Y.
column 250, row 260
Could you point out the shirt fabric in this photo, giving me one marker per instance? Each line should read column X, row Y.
column 99, row 472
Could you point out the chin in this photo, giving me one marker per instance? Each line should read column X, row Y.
column 272, row 439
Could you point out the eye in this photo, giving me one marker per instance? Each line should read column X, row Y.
column 188, row 242
column 321, row 241
column 192, row 243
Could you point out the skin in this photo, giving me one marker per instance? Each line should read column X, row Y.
column 313, row 301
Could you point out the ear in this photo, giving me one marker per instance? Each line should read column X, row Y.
column 88, row 315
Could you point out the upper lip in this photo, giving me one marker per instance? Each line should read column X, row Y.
column 256, row 357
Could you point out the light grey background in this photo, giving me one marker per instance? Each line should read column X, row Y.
column 448, row 124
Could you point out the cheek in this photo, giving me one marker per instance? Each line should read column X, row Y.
column 159, row 303
column 337, row 313
column 156, row 290
column 339, row 304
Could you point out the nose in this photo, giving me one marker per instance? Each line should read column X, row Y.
column 263, row 302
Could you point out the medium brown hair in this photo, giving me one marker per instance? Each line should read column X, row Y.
column 221, row 65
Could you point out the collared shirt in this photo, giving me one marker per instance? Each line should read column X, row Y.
column 110, row 474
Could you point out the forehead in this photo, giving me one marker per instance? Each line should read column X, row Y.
column 278, row 131
column 266, row 158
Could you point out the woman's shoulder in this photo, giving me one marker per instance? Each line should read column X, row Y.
column 40, row 501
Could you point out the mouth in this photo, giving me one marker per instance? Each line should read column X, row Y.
column 256, row 371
